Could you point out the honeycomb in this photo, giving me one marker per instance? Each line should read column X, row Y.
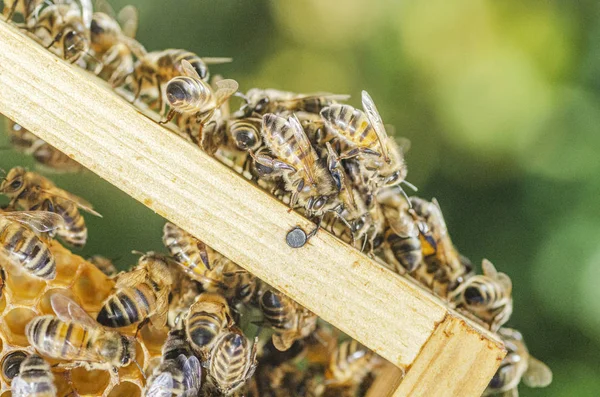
column 24, row 297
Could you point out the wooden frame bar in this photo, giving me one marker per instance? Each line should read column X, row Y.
column 81, row 116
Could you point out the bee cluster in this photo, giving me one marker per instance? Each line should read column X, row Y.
column 187, row 313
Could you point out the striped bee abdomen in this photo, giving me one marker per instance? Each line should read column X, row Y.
column 128, row 306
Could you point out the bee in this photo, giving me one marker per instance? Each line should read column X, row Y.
column 22, row 243
column 260, row 101
column 349, row 364
column 179, row 372
column 363, row 132
column 244, row 134
column 289, row 320
column 444, row 268
column 66, row 23
column 231, row 281
column 488, row 296
column 73, row 335
column 190, row 94
column 310, row 182
column 232, row 362
column 402, row 245
column 42, row 152
column 33, row 192
column 206, row 320
column 23, row 7
column 183, row 295
column 158, row 67
column 141, row 295
column 112, row 41
column 12, row 363
column 518, row 364
column 105, row 265
column 191, row 253
column 35, row 379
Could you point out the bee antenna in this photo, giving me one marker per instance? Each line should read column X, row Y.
column 405, row 196
column 410, row 185
column 136, row 252
column 140, row 368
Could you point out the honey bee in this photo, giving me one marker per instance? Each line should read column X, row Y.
column 33, row 192
column 158, row 67
column 232, row 362
column 23, row 7
column 66, row 23
column 444, row 267
column 22, row 243
column 518, row 364
column 231, row 281
column 141, row 295
column 179, row 372
column 260, row 102
column 189, row 93
column 12, row 363
column 105, row 265
column 183, row 295
column 35, row 379
column 289, row 320
column 487, row 296
column 42, row 152
column 112, row 41
column 189, row 252
column 73, row 335
column 364, row 133
column 349, row 364
column 206, row 320
column 310, row 182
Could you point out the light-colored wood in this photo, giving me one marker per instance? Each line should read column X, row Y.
column 445, row 365
column 77, row 114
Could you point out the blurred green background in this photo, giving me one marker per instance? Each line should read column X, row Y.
column 501, row 101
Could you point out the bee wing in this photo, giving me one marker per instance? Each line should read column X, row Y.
column 104, row 7
column 376, row 122
column 192, row 376
column 21, row 388
column 189, row 70
column 538, row 374
column 78, row 201
column 304, row 147
column 216, row 61
column 128, row 19
column 38, row 221
column 404, row 225
column 67, row 310
column 225, row 89
column 489, row 269
column 162, row 386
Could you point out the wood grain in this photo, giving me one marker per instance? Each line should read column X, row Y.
column 82, row 117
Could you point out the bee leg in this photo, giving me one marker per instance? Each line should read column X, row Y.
column 358, row 151
column 315, row 230
column 169, row 117
column 161, row 105
column 140, row 326
column 13, row 8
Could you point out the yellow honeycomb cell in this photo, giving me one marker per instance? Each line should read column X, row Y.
column 25, row 297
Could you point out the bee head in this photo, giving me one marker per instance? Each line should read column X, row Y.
column 476, row 295
column 74, row 44
column 315, row 205
column 13, row 182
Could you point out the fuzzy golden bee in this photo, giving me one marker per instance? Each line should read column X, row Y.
column 206, row 320
column 113, row 42
column 42, row 152
column 31, row 191
column 289, row 320
column 63, row 27
column 488, row 297
column 35, row 379
column 73, row 335
column 349, row 363
column 140, row 295
column 232, row 361
column 179, row 372
column 23, row 241
column 517, row 365
column 189, row 252
column 154, row 69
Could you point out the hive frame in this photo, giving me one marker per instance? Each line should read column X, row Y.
column 441, row 352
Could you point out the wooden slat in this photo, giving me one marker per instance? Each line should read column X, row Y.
column 81, row 116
